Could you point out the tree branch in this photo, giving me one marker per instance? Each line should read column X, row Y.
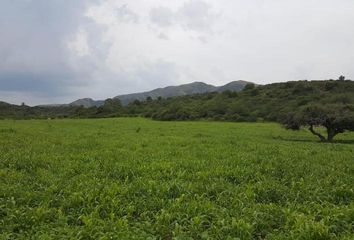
column 323, row 139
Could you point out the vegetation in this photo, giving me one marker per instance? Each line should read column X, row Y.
column 335, row 118
column 327, row 104
column 273, row 102
column 141, row 179
column 9, row 111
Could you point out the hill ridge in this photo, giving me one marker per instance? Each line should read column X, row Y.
column 168, row 91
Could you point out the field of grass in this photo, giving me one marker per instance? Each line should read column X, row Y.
column 140, row 179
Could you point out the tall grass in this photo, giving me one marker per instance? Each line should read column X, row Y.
column 140, row 179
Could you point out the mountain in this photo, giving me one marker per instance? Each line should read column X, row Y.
column 8, row 110
column 171, row 91
column 4, row 104
column 182, row 90
column 235, row 86
column 86, row 102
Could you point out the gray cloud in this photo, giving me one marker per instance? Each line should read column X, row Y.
column 163, row 36
column 35, row 57
column 124, row 14
column 40, row 83
column 195, row 15
column 162, row 16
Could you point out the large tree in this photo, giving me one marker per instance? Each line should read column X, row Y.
column 334, row 118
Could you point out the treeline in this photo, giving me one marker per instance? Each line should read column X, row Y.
column 9, row 111
column 272, row 102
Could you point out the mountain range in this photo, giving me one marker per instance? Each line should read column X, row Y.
column 171, row 91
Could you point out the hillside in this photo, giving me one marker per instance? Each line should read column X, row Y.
column 170, row 91
column 10, row 111
column 272, row 102
column 4, row 104
column 182, row 90
column 235, row 86
column 86, row 102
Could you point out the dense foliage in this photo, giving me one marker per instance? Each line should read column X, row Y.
column 334, row 118
column 140, row 179
column 9, row 111
column 273, row 102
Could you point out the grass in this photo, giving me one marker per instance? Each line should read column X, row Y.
column 140, row 179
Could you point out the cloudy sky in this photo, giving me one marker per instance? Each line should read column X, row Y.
column 56, row 51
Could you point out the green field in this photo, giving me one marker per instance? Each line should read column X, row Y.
column 141, row 179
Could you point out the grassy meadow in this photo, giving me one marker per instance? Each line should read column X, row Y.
column 134, row 178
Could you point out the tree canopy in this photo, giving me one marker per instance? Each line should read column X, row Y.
column 334, row 118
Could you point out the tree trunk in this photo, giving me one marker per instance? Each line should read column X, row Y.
column 323, row 139
column 331, row 133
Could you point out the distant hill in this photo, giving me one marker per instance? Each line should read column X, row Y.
column 182, row 90
column 86, row 102
column 235, row 86
column 271, row 102
column 171, row 91
column 4, row 104
column 8, row 110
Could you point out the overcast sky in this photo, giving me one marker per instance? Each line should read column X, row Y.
column 56, row 51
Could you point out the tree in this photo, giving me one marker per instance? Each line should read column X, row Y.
column 249, row 86
column 110, row 106
column 334, row 118
column 136, row 102
column 341, row 78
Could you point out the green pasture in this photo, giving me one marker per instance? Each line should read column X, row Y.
column 134, row 178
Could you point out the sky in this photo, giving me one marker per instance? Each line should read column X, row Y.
column 55, row 51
